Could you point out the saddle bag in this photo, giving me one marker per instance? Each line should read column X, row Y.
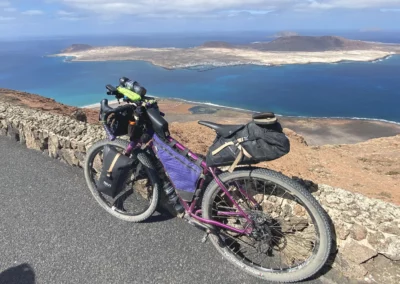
column 181, row 170
column 260, row 140
column 114, row 172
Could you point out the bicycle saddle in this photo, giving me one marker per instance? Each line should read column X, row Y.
column 224, row 130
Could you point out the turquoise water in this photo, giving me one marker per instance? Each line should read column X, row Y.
column 364, row 90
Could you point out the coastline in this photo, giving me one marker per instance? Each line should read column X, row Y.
column 206, row 66
column 248, row 111
column 317, row 131
column 177, row 58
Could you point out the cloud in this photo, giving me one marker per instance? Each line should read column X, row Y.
column 65, row 13
column 72, row 19
column 69, row 16
column 10, row 9
column 33, row 12
column 5, row 3
column 6, row 18
column 161, row 7
column 390, row 10
column 360, row 4
column 250, row 12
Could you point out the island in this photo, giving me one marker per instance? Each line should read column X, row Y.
column 293, row 49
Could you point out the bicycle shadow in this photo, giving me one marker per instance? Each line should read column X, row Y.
column 163, row 215
column 164, row 210
column 21, row 274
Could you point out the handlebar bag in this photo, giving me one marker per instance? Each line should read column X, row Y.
column 114, row 173
column 256, row 142
column 182, row 172
column 119, row 122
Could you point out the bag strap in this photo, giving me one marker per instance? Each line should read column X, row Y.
column 223, row 146
column 172, row 143
column 199, row 161
column 220, row 148
column 239, row 158
column 242, row 151
column 267, row 120
column 110, row 169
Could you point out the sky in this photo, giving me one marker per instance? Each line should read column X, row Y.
column 22, row 18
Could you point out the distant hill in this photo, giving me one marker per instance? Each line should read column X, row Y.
column 285, row 33
column 77, row 47
column 311, row 43
column 285, row 41
column 216, row 44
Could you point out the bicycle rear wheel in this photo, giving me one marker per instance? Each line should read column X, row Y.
column 139, row 197
column 291, row 237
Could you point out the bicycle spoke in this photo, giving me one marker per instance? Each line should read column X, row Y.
column 288, row 246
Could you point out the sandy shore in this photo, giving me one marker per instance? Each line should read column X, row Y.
column 316, row 131
column 172, row 58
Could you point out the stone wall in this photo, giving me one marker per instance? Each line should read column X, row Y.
column 367, row 230
column 367, row 233
column 59, row 136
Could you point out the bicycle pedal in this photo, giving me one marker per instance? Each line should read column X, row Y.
column 205, row 237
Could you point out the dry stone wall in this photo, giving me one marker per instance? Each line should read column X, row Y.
column 367, row 230
column 59, row 136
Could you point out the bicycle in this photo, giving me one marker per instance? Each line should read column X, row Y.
column 258, row 219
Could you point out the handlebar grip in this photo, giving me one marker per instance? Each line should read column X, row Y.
column 111, row 88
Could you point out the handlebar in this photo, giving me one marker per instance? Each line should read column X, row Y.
column 106, row 111
column 137, row 105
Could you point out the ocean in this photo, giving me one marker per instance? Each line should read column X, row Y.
column 351, row 90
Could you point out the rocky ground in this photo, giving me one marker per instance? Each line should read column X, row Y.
column 47, row 104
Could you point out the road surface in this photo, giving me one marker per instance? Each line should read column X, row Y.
column 53, row 231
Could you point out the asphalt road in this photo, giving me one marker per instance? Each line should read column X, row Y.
column 53, row 231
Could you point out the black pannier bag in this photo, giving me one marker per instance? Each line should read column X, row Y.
column 114, row 172
column 260, row 140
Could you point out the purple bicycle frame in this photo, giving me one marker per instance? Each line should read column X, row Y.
column 190, row 207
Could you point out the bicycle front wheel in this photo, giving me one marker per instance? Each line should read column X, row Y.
column 290, row 237
column 139, row 197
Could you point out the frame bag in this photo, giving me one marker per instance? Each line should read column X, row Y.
column 182, row 171
column 260, row 140
column 114, row 172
